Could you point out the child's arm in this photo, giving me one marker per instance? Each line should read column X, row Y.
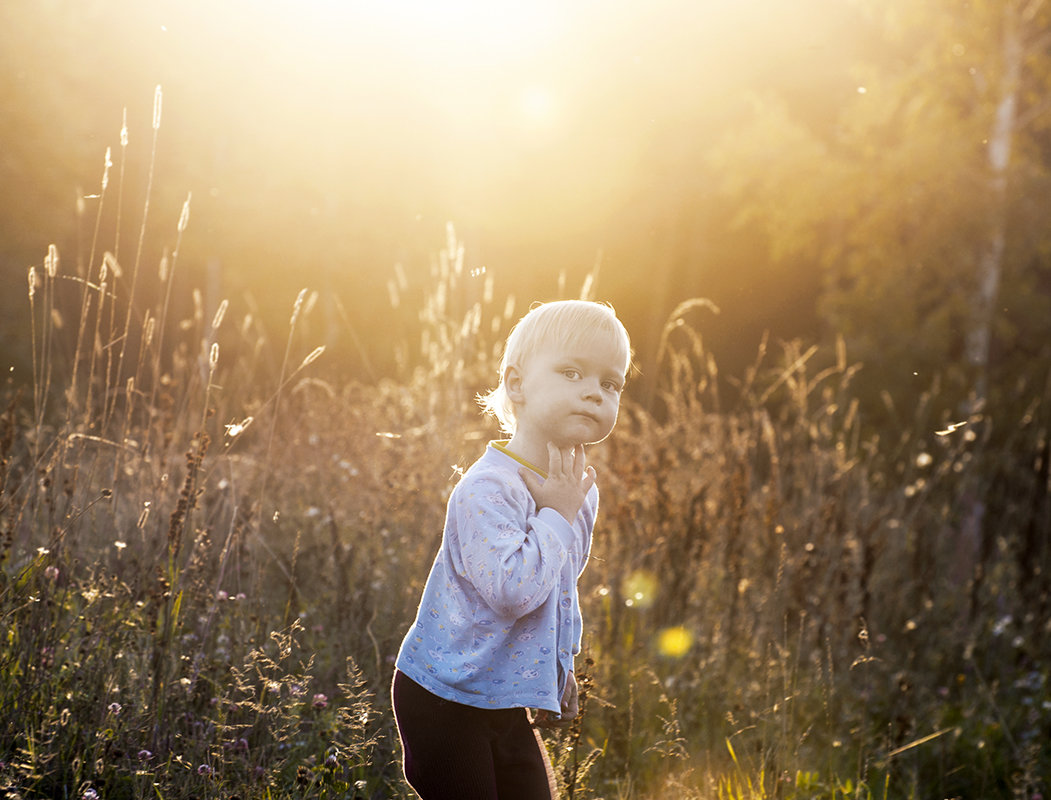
column 512, row 553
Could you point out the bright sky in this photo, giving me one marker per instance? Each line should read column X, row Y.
column 348, row 133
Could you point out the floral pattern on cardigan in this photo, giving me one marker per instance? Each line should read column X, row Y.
column 499, row 622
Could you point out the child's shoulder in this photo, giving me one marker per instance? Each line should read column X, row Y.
column 493, row 469
column 492, row 464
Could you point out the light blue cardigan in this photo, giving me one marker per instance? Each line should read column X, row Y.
column 499, row 622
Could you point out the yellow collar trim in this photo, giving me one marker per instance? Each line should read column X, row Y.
column 501, row 445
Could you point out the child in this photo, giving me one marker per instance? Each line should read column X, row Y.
column 499, row 622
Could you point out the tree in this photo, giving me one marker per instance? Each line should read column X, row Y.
column 921, row 204
column 915, row 201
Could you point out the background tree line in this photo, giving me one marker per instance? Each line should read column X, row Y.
column 839, row 168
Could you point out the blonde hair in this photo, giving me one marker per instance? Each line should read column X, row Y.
column 566, row 323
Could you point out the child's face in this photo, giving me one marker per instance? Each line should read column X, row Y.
column 568, row 397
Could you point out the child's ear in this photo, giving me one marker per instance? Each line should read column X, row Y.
column 513, row 384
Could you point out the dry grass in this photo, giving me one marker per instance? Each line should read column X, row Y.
column 208, row 564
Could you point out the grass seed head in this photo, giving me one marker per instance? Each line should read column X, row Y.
column 157, row 107
column 314, row 355
column 114, row 266
column 237, row 428
column 297, row 306
column 217, row 320
column 184, row 215
column 105, row 169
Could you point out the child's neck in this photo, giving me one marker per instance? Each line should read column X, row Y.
column 531, row 449
column 502, row 446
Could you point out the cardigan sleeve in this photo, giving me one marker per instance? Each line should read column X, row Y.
column 511, row 553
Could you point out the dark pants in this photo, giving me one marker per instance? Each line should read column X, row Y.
column 457, row 752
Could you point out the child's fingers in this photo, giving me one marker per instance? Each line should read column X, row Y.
column 562, row 462
column 571, row 461
column 567, row 464
column 531, row 480
column 589, row 479
column 554, row 460
column 545, row 719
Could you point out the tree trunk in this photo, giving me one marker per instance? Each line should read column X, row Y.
column 990, row 258
column 974, row 547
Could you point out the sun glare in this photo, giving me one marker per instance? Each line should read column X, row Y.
column 536, row 104
column 475, row 59
column 469, row 27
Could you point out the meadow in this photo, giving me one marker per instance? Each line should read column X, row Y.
column 211, row 548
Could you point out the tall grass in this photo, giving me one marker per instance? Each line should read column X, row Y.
column 208, row 565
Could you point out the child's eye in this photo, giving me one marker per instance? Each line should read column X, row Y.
column 611, row 386
column 571, row 373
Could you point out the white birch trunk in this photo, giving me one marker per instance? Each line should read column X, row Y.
column 969, row 550
column 990, row 259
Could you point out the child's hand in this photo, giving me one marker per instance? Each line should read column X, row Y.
column 570, row 708
column 569, row 480
column 570, row 698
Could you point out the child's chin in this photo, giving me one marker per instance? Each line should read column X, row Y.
column 582, row 434
column 597, row 435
